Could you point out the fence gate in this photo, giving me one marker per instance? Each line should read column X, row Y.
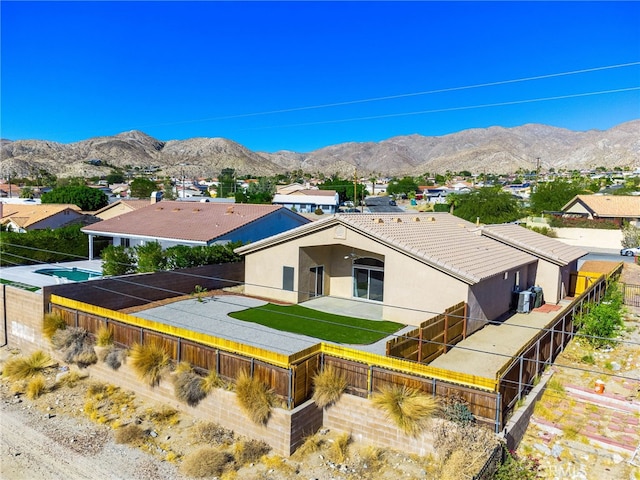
column 632, row 295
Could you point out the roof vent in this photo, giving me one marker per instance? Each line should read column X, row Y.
column 378, row 220
column 416, row 219
column 396, row 220
column 196, row 210
column 431, row 219
column 229, row 209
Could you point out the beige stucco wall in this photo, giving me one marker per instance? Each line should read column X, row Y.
column 22, row 313
column 590, row 237
column 413, row 292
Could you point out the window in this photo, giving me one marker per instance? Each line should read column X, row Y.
column 287, row 278
column 368, row 279
column 125, row 242
column 316, row 281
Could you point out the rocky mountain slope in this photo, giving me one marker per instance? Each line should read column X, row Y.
column 494, row 149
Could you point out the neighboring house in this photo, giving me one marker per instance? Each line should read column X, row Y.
column 308, row 201
column 185, row 223
column 33, row 216
column 413, row 264
column 618, row 208
column 120, row 207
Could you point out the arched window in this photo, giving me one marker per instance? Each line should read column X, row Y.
column 368, row 279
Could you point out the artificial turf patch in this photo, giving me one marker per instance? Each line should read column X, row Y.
column 321, row 325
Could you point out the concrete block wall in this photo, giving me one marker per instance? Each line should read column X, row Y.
column 366, row 423
column 22, row 314
column 284, row 431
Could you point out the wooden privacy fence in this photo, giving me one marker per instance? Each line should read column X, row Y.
column 490, row 400
column 433, row 337
column 290, row 376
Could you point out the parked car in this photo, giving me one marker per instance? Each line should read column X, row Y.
column 630, row 252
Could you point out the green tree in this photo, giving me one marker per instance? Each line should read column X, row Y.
column 489, row 204
column 226, row 183
column 261, row 191
column 630, row 236
column 344, row 188
column 43, row 246
column 115, row 177
column 150, row 256
column 70, row 182
column 26, row 192
column 552, row 196
column 117, row 260
column 142, row 187
column 406, row 185
column 86, row 198
column 167, row 189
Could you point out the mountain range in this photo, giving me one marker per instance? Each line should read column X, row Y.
column 490, row 150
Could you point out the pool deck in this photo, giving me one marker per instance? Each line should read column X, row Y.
column 26, row 273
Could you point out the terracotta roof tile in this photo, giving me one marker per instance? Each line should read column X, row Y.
column 534, row 243
column 189, row 221
column 609, row 205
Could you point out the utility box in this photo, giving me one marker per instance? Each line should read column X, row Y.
column 538, row 299
column 524, row 301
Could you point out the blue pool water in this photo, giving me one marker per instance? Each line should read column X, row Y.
column 73, row 274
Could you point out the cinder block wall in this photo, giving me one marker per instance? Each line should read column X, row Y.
column 366, row 423
column 284, row 431
column 21, row 314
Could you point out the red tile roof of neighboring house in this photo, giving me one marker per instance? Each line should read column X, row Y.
column 189, row 221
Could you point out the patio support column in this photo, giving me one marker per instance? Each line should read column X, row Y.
column 498, row 405
column 90, row 246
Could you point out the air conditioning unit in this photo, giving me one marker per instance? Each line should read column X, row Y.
column 524, row 301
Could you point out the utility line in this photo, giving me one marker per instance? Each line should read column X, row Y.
column 399, row 96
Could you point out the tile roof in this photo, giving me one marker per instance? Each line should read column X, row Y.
column 26, row 215
column 133, row 204
column 313, row 192
column 534, row 243
column 440, row 240
column 609, row 205
column 188, row 221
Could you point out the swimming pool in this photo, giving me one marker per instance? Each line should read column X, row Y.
column 73, row 274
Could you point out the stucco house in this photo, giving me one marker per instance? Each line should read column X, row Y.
column 413, row 264
column 120, row 207
column 185, row 223
column 307, row 201
column 24, row 217
column 618, row 208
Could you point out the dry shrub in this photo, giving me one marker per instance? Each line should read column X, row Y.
column 149, row 361
column 36, row 387
column 279, row 464
column 69, row 379
column 206, row 462
column 51, row 323
column 249, row 451
column 338, row 450
column 76, row 346
column 19, row 368
column 104, row 336
column 371, row 458
column 115, row 357
column 408, row 408
column 211, row 381
column 328, row 386
column 477, row 443
column 164, row 415
column 254, row 397
column 129, row 434
column 312, row 444
column 210, row 432
column 187, row 385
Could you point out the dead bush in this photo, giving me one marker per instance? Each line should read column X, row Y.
column 339, row 446
column 36, row 387
column 76, row 346
column 408, row 408
column 476, row 441
column 149, row 361
column 209, row 432
column 20, row 368
column 131, row 434
column 188, row 386
column 249, row 451
column 205, row 462
column 328, row 386
column 115, row 357
column 255, row 398
column 104, row 336
column 51, row 323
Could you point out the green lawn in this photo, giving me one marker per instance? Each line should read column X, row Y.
column 321, row 325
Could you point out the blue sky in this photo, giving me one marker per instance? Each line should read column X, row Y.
column 303, row 75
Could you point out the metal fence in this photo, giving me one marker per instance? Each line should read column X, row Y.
column 631, row 294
